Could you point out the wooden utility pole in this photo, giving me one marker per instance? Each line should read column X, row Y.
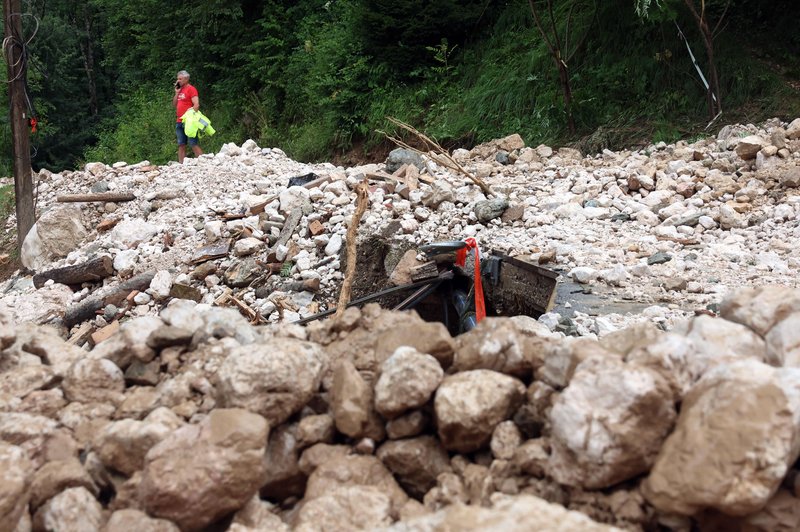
column 23, row 183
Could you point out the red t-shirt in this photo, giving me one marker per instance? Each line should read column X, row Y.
column 185, row 96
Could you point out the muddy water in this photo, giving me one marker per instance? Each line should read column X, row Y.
column 594, row 300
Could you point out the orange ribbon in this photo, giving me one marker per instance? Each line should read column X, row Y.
column 461, row 260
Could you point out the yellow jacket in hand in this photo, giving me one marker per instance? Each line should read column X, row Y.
column 196, row 123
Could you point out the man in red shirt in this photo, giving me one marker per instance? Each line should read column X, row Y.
column 186, row 97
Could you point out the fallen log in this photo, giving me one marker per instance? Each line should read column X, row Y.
column 112, row 197
column 93, row 270
column 86, row 309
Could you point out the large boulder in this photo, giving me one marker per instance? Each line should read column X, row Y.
column 737, row 435
column 471, row 404
column 506, row 345
column 346, row 508
column 130, row 519
column 16, row 473
column 92, row 380
column 761, row 307
column 272, row 379
column 512, row 514
column 355, row 470
column 283, row 476
column 351, row 401
column 203, row 472
column 122, row 445
column 748, row 147
column 609, row 423
column 400, row 156
column 415, row 463
column 783, row 342
column 72, row 509
column 130, row 232
column 408, row 380
column 56, row 476
column 57, row 232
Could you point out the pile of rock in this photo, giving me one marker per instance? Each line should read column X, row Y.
column 380, row 421
column 670, row 228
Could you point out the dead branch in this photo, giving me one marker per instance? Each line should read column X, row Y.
column 435, row 152
column 352, row 233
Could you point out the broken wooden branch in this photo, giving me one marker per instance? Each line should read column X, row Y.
column 435, row 152
column 289, row 227
column 93, row 270
column 107, row 197
column 362, row 201
column 86, row 309
column 82, row 335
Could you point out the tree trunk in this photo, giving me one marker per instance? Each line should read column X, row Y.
column 714, row 106
column 85, row 310
column 93, row 270
column 88, row 62
column 566, row 88
column 112, row 197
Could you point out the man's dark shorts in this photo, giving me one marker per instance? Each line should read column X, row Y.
column 182, row 138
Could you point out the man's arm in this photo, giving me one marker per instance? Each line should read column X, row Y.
column 196, row 103
column 175, row 98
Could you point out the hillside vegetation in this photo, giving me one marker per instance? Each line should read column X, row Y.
column 317, row 78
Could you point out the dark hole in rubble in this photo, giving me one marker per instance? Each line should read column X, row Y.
column 517, row 287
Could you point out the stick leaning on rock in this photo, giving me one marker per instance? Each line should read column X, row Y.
column 435, row 152
column 352, row 233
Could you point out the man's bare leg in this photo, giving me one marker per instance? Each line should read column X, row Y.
column 197, row 150
column 181, row 152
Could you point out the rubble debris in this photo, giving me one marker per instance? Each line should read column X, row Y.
column 515, row 420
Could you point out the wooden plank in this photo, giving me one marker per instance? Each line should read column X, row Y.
column 113, row 197
column 105, row 333
column 93, row 270
column 86, row 309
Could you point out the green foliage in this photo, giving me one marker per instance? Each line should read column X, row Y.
column 148, row 130
column 144, row 132
column 320, row 76
column 400, row 32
